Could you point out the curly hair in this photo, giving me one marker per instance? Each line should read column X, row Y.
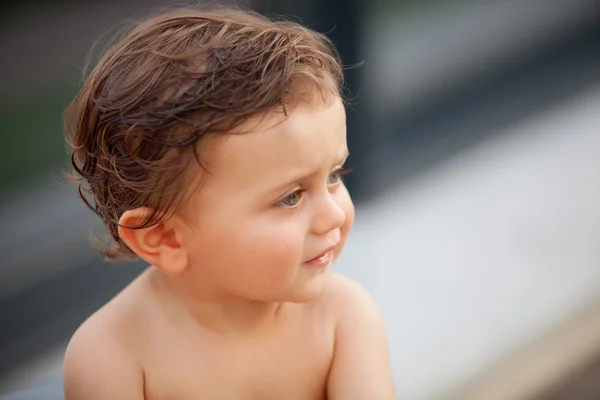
column 172, row 79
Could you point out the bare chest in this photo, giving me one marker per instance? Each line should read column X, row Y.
column 291, row 365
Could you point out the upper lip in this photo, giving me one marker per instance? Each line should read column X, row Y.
column 327, row 250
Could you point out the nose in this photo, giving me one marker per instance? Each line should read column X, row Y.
column 329, row 215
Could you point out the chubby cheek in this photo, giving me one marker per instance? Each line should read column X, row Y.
column 346, row 204
column 277, row 253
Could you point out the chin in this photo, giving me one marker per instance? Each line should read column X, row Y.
column 311, row 288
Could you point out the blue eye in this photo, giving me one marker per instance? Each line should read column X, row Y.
column 291, row 200
column 336, row 176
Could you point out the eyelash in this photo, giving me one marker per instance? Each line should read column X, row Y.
column 339, row 173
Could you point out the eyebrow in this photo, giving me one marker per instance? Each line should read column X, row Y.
column 294, row 181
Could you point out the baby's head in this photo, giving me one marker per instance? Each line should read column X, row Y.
column 212, row 146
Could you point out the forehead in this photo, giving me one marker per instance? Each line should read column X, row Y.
column 311, row 135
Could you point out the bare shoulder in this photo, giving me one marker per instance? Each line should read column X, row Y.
column 349, row 297
column 99, row 362
column 361, row 366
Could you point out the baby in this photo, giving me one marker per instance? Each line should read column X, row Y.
column 212, row 145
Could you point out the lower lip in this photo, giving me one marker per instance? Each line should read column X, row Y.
column 321, row 261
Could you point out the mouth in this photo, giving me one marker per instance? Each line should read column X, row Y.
column 323, row 259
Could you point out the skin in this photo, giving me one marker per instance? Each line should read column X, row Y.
column 234, row 305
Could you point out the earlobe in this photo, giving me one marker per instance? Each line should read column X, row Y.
column 157, row 244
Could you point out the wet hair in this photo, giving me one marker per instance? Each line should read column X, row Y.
column 134, row 127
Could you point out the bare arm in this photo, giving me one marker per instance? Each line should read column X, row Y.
column 99, row 368
column 361, row 366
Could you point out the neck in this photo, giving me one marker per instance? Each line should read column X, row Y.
column 219, row 313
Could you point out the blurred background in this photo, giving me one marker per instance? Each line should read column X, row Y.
column 475, row 142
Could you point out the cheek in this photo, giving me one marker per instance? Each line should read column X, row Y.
column 346, row 204
column 276, row 247
column 270, row 248
column 349, row 210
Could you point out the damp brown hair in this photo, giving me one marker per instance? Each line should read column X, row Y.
column 134, row 127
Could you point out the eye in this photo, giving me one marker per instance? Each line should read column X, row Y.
column 336, row 177
column 291, row 200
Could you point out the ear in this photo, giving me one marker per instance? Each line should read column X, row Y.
column 159, row 245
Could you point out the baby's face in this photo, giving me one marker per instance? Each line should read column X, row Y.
column 272, row 215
